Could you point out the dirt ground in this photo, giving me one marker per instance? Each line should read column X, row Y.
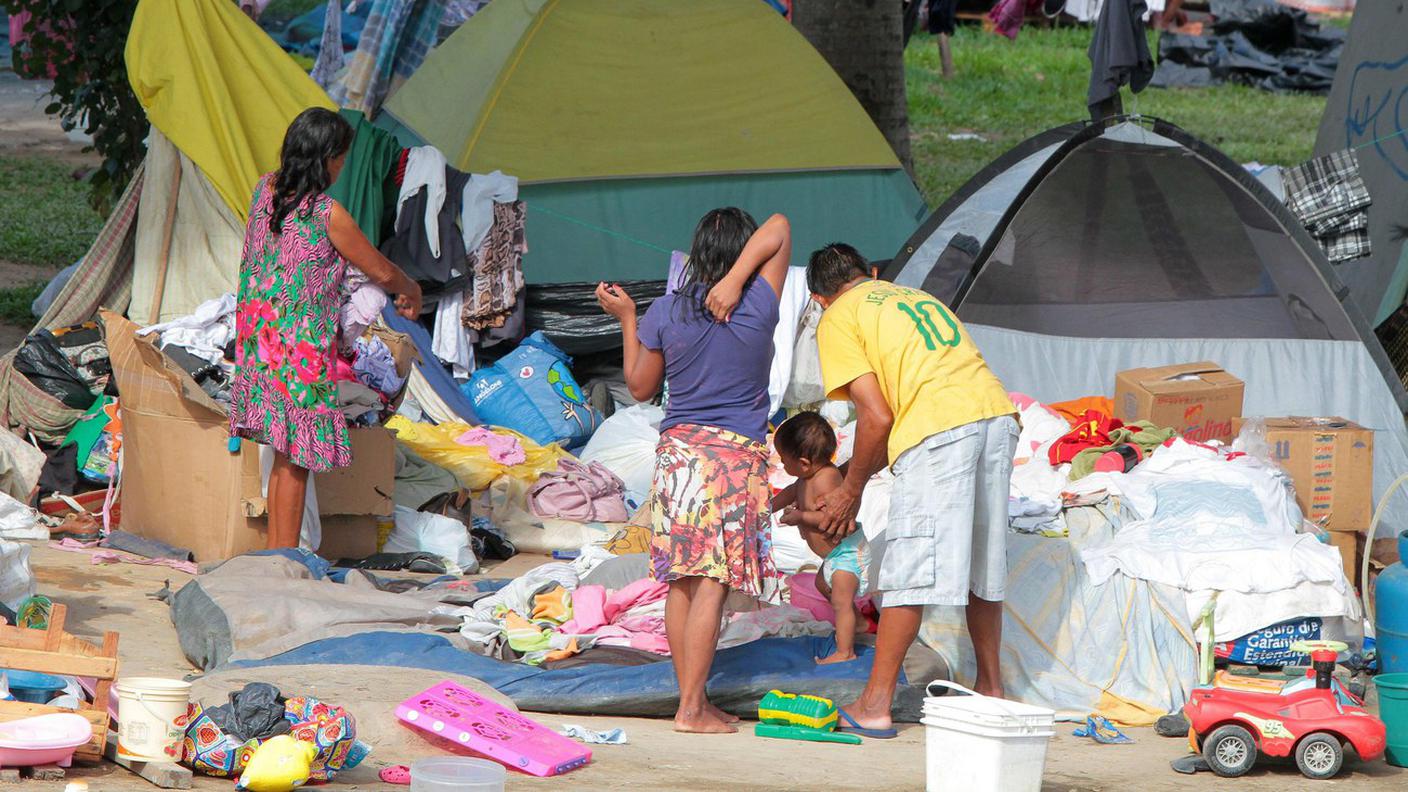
column 119, row 598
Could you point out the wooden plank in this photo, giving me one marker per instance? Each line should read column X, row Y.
column 164, row 775
column 20, row 638
column 59, row 664
column 55, row 632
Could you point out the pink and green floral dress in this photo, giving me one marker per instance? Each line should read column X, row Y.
column 283, row 393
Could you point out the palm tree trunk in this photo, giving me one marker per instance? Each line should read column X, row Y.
column 863, row 40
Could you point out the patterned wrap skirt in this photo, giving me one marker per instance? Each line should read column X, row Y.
column 712, row 512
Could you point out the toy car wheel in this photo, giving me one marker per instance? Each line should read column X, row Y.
column 1320, row 756
column 1230, row 751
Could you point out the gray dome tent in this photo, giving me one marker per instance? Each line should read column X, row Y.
column 1087, row 250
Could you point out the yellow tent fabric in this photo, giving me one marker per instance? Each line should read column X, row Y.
column 215, row 84
column 557, row 90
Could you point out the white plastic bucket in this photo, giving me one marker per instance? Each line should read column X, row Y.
column 975, row 743
column 147, row 709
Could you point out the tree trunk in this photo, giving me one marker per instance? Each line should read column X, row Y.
column 863, row 40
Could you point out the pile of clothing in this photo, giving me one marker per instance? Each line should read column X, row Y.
column 602, row 602
column 1200, row 519
column 370, row 367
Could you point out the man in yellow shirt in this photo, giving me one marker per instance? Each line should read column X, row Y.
column 928, row 405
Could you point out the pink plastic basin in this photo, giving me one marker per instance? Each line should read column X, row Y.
column 42, row 740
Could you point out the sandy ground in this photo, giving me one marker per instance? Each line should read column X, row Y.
column 118, row 598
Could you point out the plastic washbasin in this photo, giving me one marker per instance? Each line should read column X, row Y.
column 43, row 740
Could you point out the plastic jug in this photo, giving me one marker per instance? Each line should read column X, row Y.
column 1391, row 613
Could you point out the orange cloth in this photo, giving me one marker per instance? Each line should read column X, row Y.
column 1074, row 411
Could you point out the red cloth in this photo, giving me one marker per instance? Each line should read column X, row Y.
column 1093, row 431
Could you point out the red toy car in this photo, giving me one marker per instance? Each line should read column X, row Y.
column 1310, row 718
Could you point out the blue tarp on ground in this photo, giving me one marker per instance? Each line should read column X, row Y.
column 740, row 677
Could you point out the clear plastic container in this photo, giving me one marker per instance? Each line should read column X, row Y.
column 457, row 774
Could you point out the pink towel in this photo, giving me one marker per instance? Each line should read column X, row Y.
column 504, row 449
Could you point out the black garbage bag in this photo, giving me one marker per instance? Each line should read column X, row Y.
column 70, row 364
column 255, row 713
column 568, row 313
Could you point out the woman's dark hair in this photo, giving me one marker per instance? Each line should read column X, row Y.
column 833, row 267
column 718, row 240
column 808, row 436
column 316, row 136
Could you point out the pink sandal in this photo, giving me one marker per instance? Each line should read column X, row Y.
column 400, row 775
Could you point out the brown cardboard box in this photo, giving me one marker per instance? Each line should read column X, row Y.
column 1351, row 544
column 1198, row 399
column 1331, row 463
column 183, row 486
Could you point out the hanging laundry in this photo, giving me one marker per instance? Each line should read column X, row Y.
column 363, row 188
column 480, row 194
column 440, row 266
column 1007, row 15
column 449, row 341
column 425, row 169
column 497, row 265
column 331, row 58
column 395, row 40
column 1329, row 197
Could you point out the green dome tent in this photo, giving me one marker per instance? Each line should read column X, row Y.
column 626, row 120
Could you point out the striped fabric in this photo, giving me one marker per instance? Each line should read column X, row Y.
column 396, row 38
column 103, row 281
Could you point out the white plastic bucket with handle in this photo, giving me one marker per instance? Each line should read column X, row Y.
column 976, row 743
column 147, row 709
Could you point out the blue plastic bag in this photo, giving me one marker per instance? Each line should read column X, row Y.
column 531, row 390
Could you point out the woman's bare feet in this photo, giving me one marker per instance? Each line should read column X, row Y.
column 720, row 714
column 701, row 721
column 836, row 657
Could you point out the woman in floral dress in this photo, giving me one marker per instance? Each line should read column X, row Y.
column 712, row 339
column 296, row 248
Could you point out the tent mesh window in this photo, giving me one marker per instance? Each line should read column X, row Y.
column 1393, row 334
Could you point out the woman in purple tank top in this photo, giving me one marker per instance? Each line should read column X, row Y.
column 711, row 340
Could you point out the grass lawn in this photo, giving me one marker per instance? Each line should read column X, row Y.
column 1006, row 91
column 45, row 220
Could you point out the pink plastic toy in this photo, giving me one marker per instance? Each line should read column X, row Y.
column 450, row 712
column 43, row 740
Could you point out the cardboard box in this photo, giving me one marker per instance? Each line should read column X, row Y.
column 1331, row 463
column 1198, row 399
column 183, row 486
column 1351, row 545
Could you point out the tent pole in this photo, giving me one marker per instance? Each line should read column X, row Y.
column 168, row 230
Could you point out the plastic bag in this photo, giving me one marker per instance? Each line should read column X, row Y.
column 16, row 579
column 424, row 532
column 1252, row 440
column 435, row 443
column 43, row 363
column 805, row 387
column 532, row 390
column 625, row 445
